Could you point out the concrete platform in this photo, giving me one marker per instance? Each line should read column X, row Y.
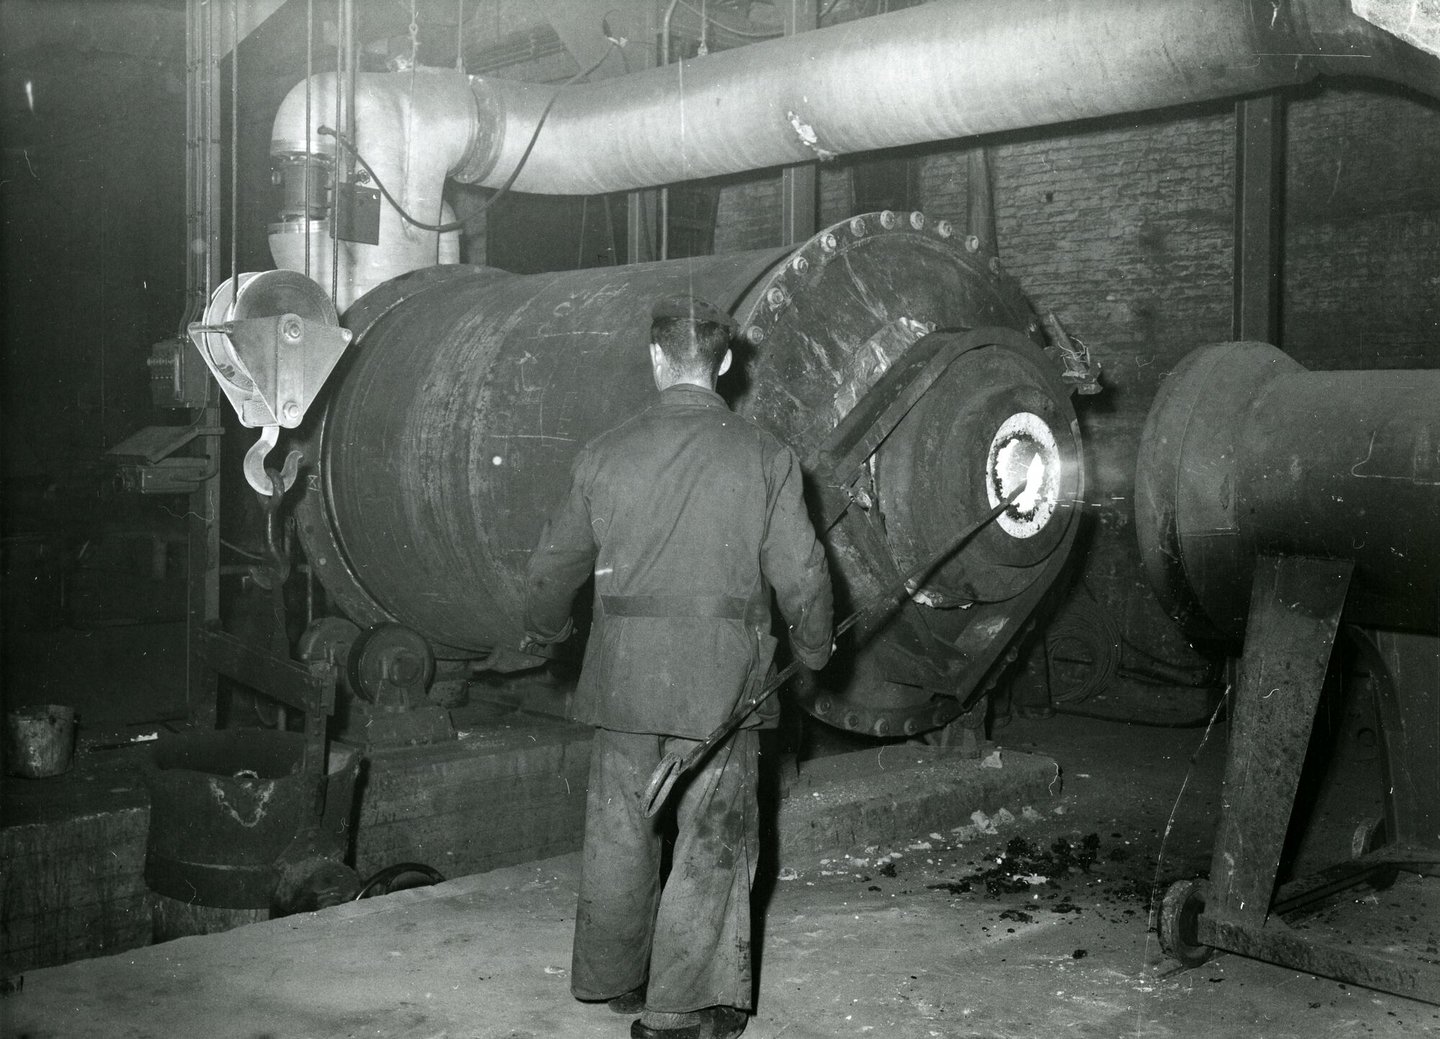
column 507, row 792
column 902, row 939
column 889, row 794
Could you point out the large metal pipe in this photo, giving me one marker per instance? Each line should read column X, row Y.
column 937, row 71
column 414, row 129
column 942, row 70
column 1245, row 453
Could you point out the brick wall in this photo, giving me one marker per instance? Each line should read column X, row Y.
column 1362, row 277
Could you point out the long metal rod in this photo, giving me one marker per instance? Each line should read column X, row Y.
column 309, row 121
column 1259, row 207
column 235, row 149
column 880, row 605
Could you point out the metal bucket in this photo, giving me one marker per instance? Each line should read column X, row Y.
column 225, row 805
column 39, row 741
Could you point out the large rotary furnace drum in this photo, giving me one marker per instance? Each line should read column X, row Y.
column 898, row 359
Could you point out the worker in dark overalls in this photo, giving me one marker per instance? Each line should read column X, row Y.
column 688, row 516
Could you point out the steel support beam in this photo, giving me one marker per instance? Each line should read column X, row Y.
column 642, row 208
column 980, row 195
column 1295, row 611
column 202, row 275
column 798, row 197
column 1259, row 225
column 1277, row 943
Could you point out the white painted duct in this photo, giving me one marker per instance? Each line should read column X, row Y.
column 942, row 70
column 413, row 130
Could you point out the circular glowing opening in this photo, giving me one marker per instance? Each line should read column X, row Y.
column 1025, row 459
column 1019, row 468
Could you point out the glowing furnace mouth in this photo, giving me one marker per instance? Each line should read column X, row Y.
column 1023, row 454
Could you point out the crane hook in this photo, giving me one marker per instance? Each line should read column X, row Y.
column 255, row 473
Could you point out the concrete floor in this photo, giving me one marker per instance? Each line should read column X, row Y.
column 902, row 940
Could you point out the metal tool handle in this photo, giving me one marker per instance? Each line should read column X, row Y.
column 672, row 766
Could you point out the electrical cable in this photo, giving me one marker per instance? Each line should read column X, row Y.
column 1094, row 630
column 1191, row 723
column 1202, row 668
column 749, row 34
column 458, row 225
column 1103, row 645
column 387, row 876
column 1206, row 668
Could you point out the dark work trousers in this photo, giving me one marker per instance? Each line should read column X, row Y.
column 695, row 934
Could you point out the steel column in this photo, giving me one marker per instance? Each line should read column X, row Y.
column 980, row 198
column 642, row 207
column 797, row 183
column 202, row 273
column 1259, row 209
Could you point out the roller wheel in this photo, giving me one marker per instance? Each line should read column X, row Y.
column 1179, row 915
column 328, row 640
column 391, row 665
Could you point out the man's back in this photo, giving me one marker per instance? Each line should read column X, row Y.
column 688, row 514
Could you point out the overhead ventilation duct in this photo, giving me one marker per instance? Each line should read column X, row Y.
column 942, row 70
column 412, row 129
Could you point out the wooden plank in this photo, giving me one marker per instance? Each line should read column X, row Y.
column 73, row 888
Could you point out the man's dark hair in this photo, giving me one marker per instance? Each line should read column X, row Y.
column 693, row 347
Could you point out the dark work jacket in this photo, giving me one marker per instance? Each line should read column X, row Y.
column 688, row 515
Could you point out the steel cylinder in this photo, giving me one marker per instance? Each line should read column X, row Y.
column 468, row 392
column 451, row 433
column 1245, row 452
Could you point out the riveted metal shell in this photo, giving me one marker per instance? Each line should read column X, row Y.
column 451, row 431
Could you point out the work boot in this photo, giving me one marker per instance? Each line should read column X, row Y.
column 712, row 1023
column 631, row 1002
